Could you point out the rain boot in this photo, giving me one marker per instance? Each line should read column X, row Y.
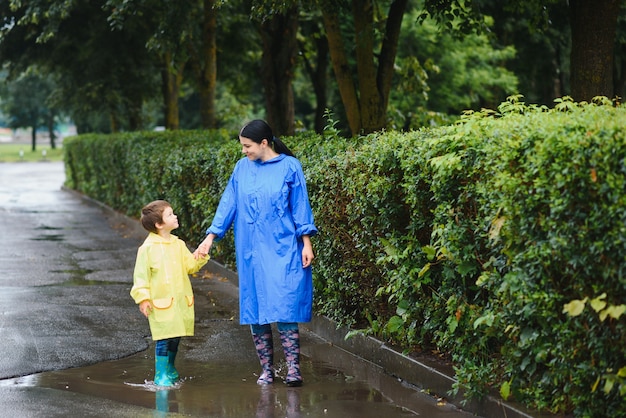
column 172, row 373
column 160, row 371
column 290, row 341
column 264, row 345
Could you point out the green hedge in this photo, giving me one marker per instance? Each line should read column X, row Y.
column 499, row 242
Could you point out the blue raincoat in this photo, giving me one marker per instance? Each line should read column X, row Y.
column 269, row 206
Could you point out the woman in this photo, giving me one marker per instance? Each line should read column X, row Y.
column 267, row 202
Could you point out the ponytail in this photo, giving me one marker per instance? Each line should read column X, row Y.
column 280, row 147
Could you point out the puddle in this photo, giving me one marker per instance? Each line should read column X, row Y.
column 51, row 237
column 74, row 272
column 77, row 278
column 224, row 390
column 83, row 282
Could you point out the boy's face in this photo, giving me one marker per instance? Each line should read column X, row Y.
column 170, row 221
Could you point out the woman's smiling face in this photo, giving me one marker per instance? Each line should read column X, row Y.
column 251, row 149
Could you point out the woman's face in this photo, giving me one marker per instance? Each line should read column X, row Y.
column 251, row 149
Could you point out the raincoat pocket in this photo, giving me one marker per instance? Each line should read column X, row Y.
column 190, row 300
column 164, row 303
column 163, row 311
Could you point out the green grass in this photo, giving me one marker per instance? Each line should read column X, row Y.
column 10, row 153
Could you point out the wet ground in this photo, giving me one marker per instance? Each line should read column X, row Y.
column 74, row 343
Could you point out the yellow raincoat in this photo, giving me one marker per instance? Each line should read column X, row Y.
column 162, row 276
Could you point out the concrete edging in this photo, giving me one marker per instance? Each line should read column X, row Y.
column 424, row 374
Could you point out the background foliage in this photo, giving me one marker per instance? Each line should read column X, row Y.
column 108, row 58
column 497, row 242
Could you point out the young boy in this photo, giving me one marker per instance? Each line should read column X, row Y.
column 162, row 288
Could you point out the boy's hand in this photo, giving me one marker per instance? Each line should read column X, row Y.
column 198, row 254
column 145, row 307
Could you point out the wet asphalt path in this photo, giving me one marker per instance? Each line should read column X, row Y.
column 75, row 344
column 64, row 277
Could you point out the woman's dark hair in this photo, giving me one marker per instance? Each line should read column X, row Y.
column 258, row 130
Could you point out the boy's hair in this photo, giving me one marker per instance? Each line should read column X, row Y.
column 152, row 214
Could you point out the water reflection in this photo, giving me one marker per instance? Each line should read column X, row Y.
column 210, row 389
column 162, row 401
column 265, row 407
column 293, row 403
column 270, row 402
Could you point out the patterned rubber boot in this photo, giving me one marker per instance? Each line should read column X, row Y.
column 264, row 345
column 290, row 341
column 172, row 373
column 160, row 371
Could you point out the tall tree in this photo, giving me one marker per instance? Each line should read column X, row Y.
column 280, row 49
column 593, row 25
column 98, row 70
column 593, row 34
column 364, row 86
column 162, row 23
column 26, row 104
column 313, row 48
column 181, row 33
column 277, row 25
column 204, row 63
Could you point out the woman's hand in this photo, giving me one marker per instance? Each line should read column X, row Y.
column 307, row 252
column 204, row 248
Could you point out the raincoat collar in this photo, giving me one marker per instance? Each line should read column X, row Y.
column 280, row 157
column 157, row 239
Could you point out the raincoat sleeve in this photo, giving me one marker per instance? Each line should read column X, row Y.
column 226, row 210
column 300, row 205
column 141, row 276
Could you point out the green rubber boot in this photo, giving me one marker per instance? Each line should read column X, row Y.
column 172, row 373
column 161, row 377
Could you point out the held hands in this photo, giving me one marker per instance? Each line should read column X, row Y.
column 204, row 248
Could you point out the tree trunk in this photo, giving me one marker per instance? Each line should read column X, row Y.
column 33, row 138
column 115, row 125
column 593, row 25
column 343, row 72
column 619, row 75
column 50, row 126
column 207, row 68
column 171, row 79
column 389, row 49
column 280, row 49
column 371, row 103
column 366, row 109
